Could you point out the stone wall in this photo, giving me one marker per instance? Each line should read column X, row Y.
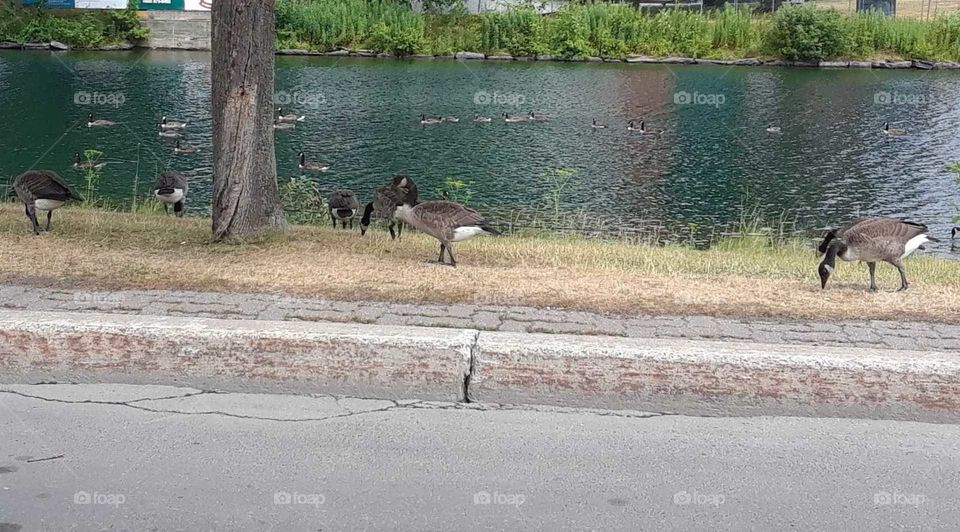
column 185, row 30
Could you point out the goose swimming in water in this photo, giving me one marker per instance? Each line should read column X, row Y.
column 316, row 167
column 42, row 190
column 535, row 117
column 172, row 124
column 429, row 120
column 169, row 133
column 773, row 129
column 872, row 240
column 86, row 165
column 893, row 131
column 99, row 122
column 633, row 127
column 478, row 118
column 513, row 119
column 595, row 125
column 283, row 125
column 289, row 117
column 186, row 148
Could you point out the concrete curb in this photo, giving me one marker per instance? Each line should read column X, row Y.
column 716, row 378
column 235, row 355
column 663, row 375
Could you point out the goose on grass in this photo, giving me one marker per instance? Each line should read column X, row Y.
column 42, row 190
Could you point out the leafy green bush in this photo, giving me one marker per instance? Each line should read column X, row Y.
column 399, row 40
column 568, row 33
column 807, row 33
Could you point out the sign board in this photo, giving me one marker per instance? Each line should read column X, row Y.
column 161, row 4
column 197, row 5
column 52, row 4
column 100, row 4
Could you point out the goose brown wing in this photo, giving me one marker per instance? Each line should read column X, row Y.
column 342, row 199
column 448, row 215
column 41, row 184
column 173, row 179
column 868, row 230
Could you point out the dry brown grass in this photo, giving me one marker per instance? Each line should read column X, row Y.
column 118, row 250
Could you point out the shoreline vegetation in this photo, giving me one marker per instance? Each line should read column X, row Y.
column 104, row 249
column 793, row 36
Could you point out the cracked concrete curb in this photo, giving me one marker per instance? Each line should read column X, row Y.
column 387, row 362
column 235, row 355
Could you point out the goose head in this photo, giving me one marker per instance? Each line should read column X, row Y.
column 302, row 158
column 77, row 161
column 365, row 220
column 953, row 233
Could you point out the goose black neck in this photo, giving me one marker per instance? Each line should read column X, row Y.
column 367, row 213
column 835, row 247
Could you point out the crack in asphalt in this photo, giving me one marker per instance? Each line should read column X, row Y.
column 413, row 405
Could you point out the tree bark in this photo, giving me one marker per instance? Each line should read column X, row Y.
column 246, row 200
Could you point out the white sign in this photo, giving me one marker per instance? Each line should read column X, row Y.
column 197, row 5
column 101, row 4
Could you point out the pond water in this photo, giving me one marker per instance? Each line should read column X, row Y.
column 707, row 155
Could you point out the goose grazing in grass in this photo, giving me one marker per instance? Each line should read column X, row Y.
column 478, row 118
column 535, row 117
column 171, row 124
column 446, row 221
column 42, row 190
column 86, row 165
column 283, row 125
column 595, row 125
column 429, row 120
column 450, row 119
column 343, row 206
column 633, row 127
column 872, row 240
column 773, row 129
column 386, row 199
column 169, row 133
column 513, row 119
column 289, row 117
column 893, row 131
column 171, row 189
column 185, row 148
column 99, row 122
column 315, row 167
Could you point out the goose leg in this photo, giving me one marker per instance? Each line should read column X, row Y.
column 453, row 261
column 49, row 215
column 400, row 231
column 166, row 209
column 351, row 223
column 873, row 276
column 903, row 276
column 32, row 216
column 178, row 209
column 343, row 224
column 393, row 234
column 443, row 248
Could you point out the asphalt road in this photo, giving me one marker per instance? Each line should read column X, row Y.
column 108, row 457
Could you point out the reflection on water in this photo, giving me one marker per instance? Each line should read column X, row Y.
column 705, row 157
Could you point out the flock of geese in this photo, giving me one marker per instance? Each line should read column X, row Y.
column 867, row 239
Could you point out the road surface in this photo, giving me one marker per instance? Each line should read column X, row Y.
column 118, row 457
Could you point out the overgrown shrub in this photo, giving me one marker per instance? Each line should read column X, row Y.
column 807, row 33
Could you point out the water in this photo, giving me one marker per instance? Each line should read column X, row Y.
column 703, row 163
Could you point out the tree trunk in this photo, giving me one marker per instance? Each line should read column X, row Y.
column 246, row 200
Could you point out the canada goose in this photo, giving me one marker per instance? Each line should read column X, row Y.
column 446, row 221
column 478, row 118
column 633, row 127
column 289, row 117
column 429, row 120
column 872, row 239
column 172, row 124
column 316, row 167
column 186, row 148
column 893, row 132
column 512, row 119
column 42, row 190
column 386, row 199
column 773, row 129
column 450, row 119
column 86, row 165
column 283, row 125
column 168, row 133
column 595, row 125
column 171, row 189
column 99, row 122
column 534, row 117
column 343, row 206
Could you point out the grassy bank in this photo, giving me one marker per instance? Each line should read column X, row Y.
column 97, row 248
column 74, row 27
column 598, row 29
